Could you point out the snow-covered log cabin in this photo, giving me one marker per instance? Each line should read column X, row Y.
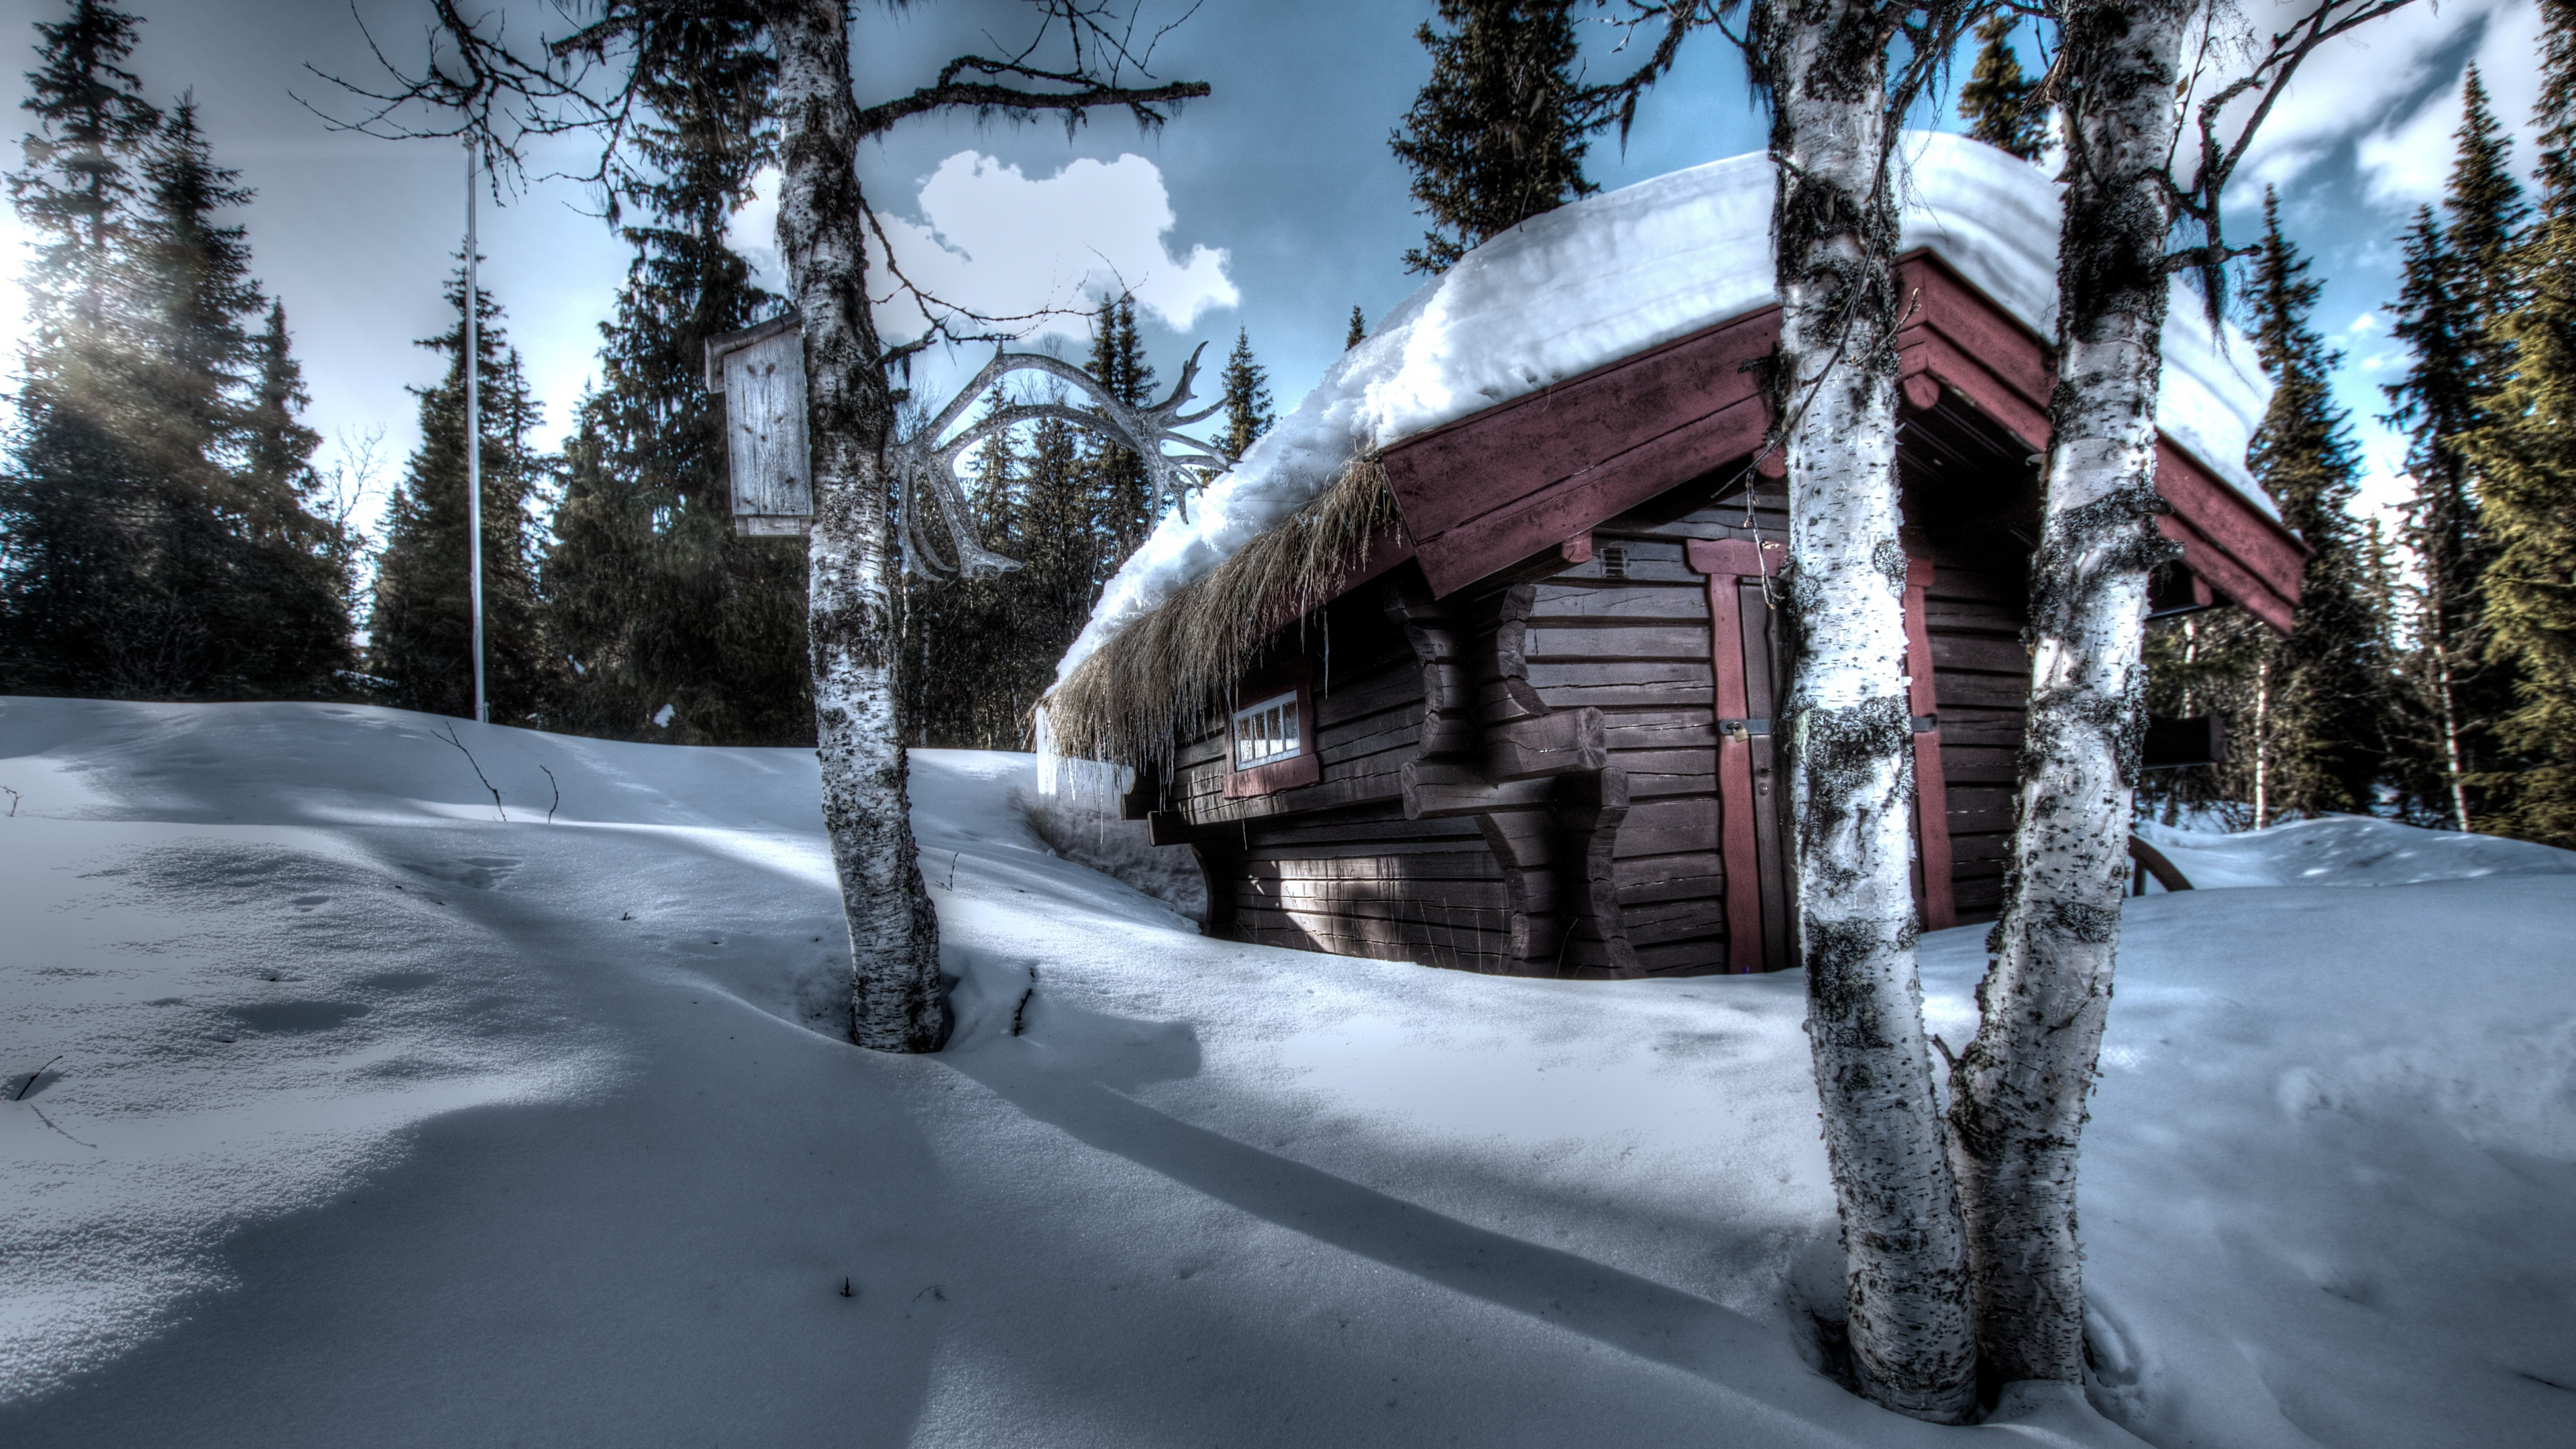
column 1473, row 661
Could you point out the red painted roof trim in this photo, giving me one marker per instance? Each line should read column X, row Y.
column 1482, row 493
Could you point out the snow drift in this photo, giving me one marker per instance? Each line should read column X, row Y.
column 366, row 1117
column 1597, row 280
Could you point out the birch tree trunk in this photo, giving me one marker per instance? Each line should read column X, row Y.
column 895, row 997
column 1849, row 738
column 2018, row 1092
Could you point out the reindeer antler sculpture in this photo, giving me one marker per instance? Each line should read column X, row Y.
column 930, row 466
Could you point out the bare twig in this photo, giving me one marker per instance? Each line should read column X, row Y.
column 2199, row 201
column 451, row 738
column 13, row 800
column 558, row 800
column 475, row 82
column 50, row 1122
column 29, row 1085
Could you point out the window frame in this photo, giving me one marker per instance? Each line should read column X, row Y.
column 1285, row 772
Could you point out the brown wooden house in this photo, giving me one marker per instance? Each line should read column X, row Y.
column 1527, row 730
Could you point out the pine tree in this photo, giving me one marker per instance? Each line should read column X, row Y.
column 2000, row 104
column 244, row 563
column 149, row 556
column 1358, row 332
column 2458, row 283
column 420, row 628
column 1247, row 399
column 1062, row 556
column 2328, row 735
column 78, row 528
column 977, row 672
column 1124, row 495
column 305, row 564
column 2524, row 455
column 1494, row 137
column 78, row 187
column 651, row 595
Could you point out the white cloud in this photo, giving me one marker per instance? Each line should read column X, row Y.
column 2352, row 88
column 2408, row 159
column 2366, row 322
column 993, row 241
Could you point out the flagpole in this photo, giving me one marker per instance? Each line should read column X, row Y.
column 474, row 439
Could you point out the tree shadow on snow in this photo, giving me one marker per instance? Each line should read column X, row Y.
column 1069, row 1067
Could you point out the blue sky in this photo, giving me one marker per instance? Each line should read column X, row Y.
column 1273, row 206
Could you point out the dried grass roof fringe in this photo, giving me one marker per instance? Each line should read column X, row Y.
column 1133, row 698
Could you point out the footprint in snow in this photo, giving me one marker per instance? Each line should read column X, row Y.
column 474, row 872
column 298, row 1017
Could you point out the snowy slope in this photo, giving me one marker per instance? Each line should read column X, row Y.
column 380, row 1121
column 2347, row 850
column 1589, row 283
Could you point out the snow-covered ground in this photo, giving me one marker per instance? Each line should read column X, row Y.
column 380, row 1121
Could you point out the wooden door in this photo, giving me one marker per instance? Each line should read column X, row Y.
column 1745, row 659
column 1751, row 678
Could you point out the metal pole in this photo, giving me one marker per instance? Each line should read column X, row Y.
column 474, row 439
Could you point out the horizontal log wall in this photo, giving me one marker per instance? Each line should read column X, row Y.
column 1335, row 866
column 1981, row 685
column 1636, row 646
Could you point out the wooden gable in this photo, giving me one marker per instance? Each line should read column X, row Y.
column 1484, row 493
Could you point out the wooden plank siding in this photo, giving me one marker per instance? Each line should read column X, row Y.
column 1514, row 726
column 1635, row 646
column 1335, row 866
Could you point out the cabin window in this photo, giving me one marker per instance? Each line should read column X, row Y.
column 1267, row 731
column 1270, row 743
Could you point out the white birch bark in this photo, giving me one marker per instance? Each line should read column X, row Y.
column 2018, row 1093
column 1849, row 739
column 895, row 996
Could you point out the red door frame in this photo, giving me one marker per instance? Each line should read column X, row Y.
column 1728, row 562
column 1931, row 787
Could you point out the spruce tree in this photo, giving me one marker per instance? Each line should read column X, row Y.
column 1247, row 399
column 2327, row 730
column 1358, row 332
column 2458, row 284
column 80, row 529
column 1061, row 553
column 305, row 563
column 2524, row 454
column 1124, row 503
column 420, row 629
column 649, row 592
column 977, row 671
column 243, row 561
column 2000, row 104
column 1496, row 135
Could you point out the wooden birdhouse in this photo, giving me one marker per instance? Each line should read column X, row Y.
column 760, row 371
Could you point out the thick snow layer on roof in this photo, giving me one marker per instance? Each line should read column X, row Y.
column 1593, row 282
column 324, row 1091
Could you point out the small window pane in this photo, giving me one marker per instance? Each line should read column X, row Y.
column 1266, row 731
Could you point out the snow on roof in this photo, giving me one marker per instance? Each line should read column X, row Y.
column 1615, row 274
